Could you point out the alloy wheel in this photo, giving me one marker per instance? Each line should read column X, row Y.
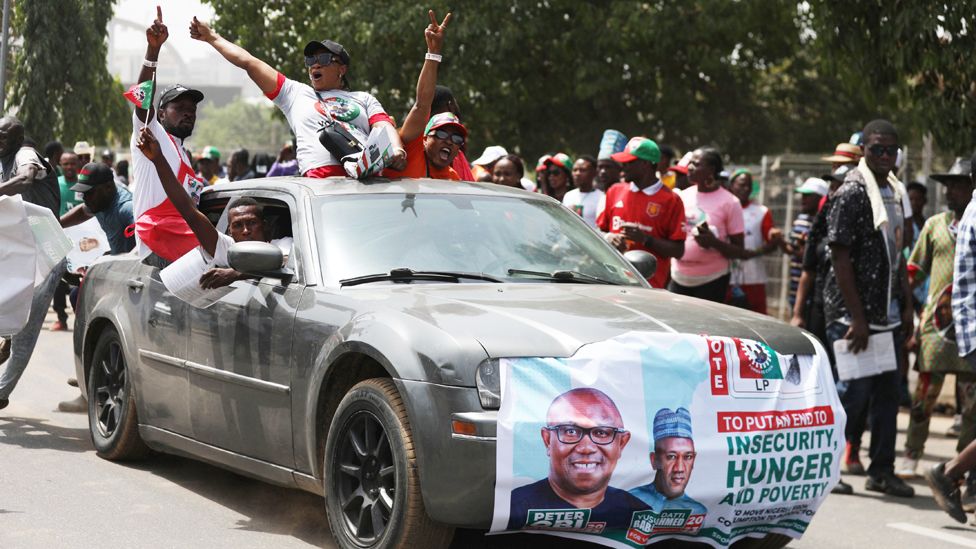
column 366, row 477
column 110, row 394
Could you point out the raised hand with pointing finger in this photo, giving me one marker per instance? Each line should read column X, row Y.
column 157, row 33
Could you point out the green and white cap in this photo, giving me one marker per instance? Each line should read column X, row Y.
column 638, row 147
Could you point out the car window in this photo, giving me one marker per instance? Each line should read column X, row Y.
column 374, row 233
column 277, row 216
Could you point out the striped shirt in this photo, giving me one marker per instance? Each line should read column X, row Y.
column 798, row 237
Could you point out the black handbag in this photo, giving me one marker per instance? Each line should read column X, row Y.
column 339, row 141
column 336, row 138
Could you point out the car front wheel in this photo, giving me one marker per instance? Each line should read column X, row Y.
column 112, row 418
column 372, row 488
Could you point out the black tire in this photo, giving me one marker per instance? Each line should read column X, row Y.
column 371, row 484
column 112, row 419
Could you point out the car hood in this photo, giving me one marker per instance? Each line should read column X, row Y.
column 511, row 320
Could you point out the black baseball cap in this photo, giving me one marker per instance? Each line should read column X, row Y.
column 92, row 175
column 176, row 91
column 333, row 47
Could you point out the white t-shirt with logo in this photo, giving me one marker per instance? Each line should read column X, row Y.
column 304, row 109
column 587, row 205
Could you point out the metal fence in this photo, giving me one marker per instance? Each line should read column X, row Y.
column 779, row 177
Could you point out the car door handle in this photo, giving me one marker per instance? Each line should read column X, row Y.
column 135, row 284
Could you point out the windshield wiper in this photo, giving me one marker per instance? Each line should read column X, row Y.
column 405, row 274
column 563, row 276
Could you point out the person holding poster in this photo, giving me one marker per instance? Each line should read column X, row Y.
column 584, row 437
column 673, row 460
column 106, row 201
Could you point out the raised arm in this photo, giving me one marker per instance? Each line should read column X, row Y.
column 198, row 223
column 260, row 72
column 413, row 124
column 156, row 36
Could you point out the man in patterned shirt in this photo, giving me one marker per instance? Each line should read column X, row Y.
column 945, row 477
column 866, row 229
column 932, row 261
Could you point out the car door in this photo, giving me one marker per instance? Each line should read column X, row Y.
column 160, row 338
column 239, row 359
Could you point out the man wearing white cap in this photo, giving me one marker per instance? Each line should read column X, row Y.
column 673, row 460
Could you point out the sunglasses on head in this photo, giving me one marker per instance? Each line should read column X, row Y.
column 444, row 135
column 324, row 59
column 878, row 150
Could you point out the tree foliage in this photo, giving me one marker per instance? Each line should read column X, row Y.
column 912, row 58
column 544, row 75
column 60, row 83
column 240, row 125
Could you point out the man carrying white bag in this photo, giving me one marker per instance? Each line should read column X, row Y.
column 32, row 249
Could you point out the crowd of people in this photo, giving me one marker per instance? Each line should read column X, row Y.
column 867, row 269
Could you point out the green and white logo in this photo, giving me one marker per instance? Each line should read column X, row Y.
column 343, row 109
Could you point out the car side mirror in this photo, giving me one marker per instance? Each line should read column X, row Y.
column 644, row 262
column 258, row 259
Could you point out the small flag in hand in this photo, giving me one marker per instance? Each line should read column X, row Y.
column 140, row 94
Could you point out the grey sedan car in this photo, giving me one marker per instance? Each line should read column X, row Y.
column 362, row 370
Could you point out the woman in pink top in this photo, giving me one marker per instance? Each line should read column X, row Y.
column 714, row 228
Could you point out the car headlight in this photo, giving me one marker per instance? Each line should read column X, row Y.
column 489, row 382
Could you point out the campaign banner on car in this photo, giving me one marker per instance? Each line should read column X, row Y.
column 654, row 436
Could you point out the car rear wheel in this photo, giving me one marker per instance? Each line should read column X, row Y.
column 112, row 419
column 372, row 487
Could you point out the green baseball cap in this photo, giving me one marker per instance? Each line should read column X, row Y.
column 210, row 152
column 638, row 147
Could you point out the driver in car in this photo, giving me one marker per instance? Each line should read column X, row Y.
column 245, row 221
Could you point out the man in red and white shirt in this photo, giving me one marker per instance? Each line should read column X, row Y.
column 159, row 228
column 642, row 213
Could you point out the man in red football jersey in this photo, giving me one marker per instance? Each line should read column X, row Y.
column 642, row 213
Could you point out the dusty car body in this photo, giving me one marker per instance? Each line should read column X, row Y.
column 254, row 382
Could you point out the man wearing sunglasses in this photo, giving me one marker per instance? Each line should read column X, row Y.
column 308, row 108
column 584, row 437
column 673, row 459
column 433, row 156
column 866, row 229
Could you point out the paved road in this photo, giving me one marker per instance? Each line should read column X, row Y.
column 54, row 491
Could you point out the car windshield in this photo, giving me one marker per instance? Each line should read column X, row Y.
column 508, row 238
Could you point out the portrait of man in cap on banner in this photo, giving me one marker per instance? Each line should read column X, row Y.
column 673, row 460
